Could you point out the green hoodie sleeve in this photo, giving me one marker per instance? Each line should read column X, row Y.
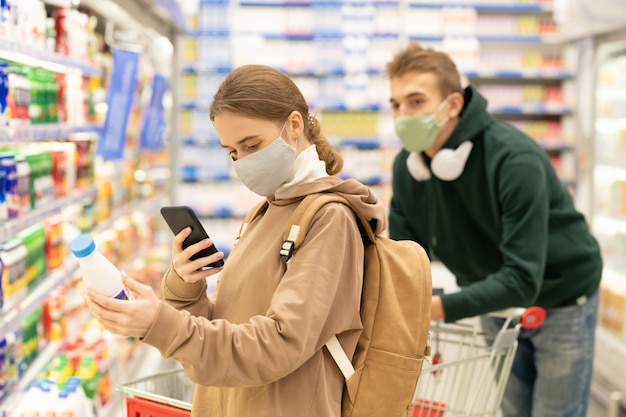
column 522, row 187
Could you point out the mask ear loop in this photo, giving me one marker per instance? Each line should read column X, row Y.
column 280, row 135
column 441, row 105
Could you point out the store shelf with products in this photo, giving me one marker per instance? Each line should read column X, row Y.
column 608, row 212
column 336, row 53
column 610, row 150
column 54, row 125
column 71, row 320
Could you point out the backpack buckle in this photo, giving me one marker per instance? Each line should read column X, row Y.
column 286, row 251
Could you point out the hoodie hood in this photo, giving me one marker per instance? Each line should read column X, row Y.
column 359, row 195
column 473, row 120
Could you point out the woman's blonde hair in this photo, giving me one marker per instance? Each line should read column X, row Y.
column 414, row 58
column 262, row 92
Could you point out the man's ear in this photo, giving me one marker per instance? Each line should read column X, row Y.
column 456, row 101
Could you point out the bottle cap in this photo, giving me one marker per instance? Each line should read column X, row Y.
column 82, row 246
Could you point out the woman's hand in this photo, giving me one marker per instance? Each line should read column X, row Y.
column 125, row 317
column 436, row 309
column 191, row 271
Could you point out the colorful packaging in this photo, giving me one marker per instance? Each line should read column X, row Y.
column 9, row 166
column 13, row 254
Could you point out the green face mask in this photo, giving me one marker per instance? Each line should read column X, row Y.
column 418, row 133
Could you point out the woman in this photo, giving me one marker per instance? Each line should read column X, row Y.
column 255, row 347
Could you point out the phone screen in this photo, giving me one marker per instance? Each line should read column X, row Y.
column 179, row 217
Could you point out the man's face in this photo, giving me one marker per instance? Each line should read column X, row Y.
column 415, row 93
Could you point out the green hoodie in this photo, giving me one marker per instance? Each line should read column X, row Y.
column 507, row 228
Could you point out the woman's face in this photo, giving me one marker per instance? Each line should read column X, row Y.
column 242, row 136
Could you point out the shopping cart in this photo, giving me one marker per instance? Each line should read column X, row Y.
column 166, row 394
column 469, row 369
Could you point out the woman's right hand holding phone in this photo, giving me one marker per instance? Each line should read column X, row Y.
column 192, row 271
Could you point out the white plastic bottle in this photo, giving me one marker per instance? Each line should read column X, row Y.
column 98, row 273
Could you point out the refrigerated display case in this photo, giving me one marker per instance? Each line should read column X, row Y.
column 609, row 207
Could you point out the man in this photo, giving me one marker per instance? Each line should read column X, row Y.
column 484, row 199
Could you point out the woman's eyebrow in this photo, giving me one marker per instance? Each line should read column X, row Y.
column 240, row 141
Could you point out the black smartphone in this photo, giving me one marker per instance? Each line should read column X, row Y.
column 179, row 217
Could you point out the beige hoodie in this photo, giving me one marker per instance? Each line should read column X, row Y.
column 255, row 348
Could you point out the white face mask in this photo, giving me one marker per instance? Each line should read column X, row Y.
column 266, row 170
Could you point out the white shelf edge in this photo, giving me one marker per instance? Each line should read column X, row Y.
column 612, row 274
column 605, row 172
column 38, row 214
column 608, row 225
column 22, row 53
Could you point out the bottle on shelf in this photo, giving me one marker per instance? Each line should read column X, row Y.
column 98, row 273
column 4, row 92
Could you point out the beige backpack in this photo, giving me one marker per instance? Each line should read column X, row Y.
column 395, row 312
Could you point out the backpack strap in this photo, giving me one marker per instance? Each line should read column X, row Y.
column 255, row 212
column 340, row 357
column 300, row 222
column 293, row 238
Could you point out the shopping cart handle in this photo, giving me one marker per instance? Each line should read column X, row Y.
column 533, row 317
column 512, row 312
column 529, row 317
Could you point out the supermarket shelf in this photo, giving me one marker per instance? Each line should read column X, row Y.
column 194, row 105
column 531, row 111
column 556, row 147
column 609, row 173
column 28, row 55
column 503, row 7
column 38, row 295
column 344, row 108
column 47, row 131
column 608, row 225
column 613, row 275
column 200, row 69
column 520, row 39
column 520, row 75
column 610, row 357
column 162, row 16
column 318, row 3
column 41, row 361
column 150, row 205
column 528, row 75
column 207, row 33
column 360, row 143
column 13, row 226
column 41, row 292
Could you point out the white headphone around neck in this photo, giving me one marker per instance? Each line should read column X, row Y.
column 447, row 164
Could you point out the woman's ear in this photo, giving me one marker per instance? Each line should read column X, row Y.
column 296, row 122
column 456, row 101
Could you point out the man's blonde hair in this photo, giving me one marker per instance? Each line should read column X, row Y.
column 414, row 58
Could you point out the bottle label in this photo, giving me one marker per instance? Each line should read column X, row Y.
column 121, row 295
